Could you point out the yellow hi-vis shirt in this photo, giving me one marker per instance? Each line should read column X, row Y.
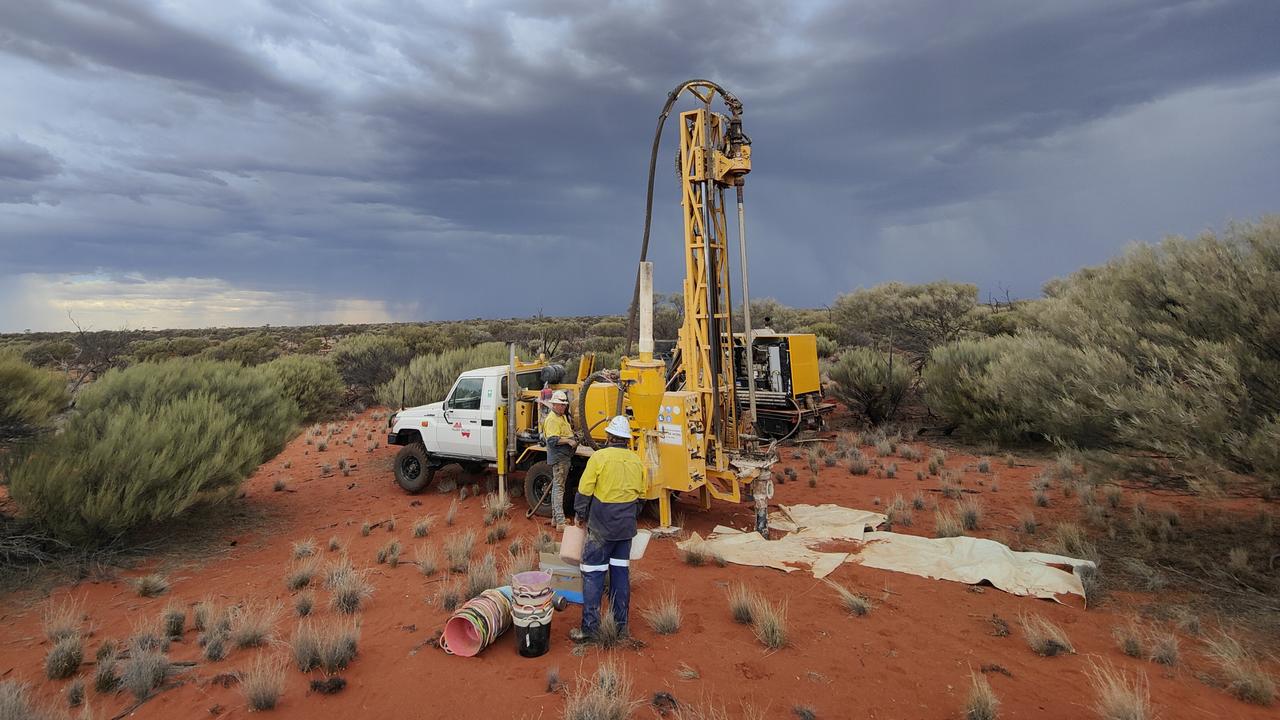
column 613, row 475
column 554, row 425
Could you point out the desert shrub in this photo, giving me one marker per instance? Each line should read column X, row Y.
column 64, row 658
column 1118, row 696
column 367, row 361
column 311, row 382
column 915, row 318
column 428, row 377
column 168, row 348
column 29, row 397
column 131, row 457
column 50, row 353
column 871, row 383
column 143, row 671
column 1162, row 358
column 1243, row 675
column 252, row 349
column 253, row 624
column 606, row 696
column 262, row 683
column 663, row 616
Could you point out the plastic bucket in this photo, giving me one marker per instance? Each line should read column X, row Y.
column 639, row 543
column 461, row 637
column 534, row 640
column 571, row 544
column 531, row 582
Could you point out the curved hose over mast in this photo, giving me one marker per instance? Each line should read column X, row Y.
column 735, row 107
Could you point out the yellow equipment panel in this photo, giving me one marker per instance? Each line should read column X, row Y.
column 602, row 404
column 682, row 465
column 804, row 364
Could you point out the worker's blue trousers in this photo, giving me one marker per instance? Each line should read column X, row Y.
column 597, row 557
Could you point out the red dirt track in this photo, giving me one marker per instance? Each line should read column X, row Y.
column 909, row 658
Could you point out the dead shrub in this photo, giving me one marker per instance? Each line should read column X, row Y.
column 1118, row 696
column 61, row 619
column 263, row 683
column 1243, row 675
column 1044, row 637
column 605, row 696
column 982, row 703
column 664, row 616
column 769, row 622
column 855, row 603
column 253, row 624
column 64, row 658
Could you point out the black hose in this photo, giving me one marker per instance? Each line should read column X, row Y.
column 735, row 107
column 584, row 432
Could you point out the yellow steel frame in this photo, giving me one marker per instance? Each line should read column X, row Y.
column 706, row 344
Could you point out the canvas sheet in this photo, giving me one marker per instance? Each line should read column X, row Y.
column 960, row 559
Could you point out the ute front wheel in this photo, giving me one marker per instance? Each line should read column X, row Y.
column 537, row 480
column 414, row 471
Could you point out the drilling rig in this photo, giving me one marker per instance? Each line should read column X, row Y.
column 696, row 415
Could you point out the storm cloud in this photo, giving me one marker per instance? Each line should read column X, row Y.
column 291, row 162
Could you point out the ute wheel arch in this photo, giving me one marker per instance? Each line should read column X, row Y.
column 413, row 468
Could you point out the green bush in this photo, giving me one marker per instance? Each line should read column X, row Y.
column 151, row 442
column 870, row 383
column 914, row 318
column 311, row 382
column 428, row 378
column 168, row 348
column 826, row 346
column 29, row 396
column 1164, row 359
column 367, row 361
column 50, row 353
column 252, row 349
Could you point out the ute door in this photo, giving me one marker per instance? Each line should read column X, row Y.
column 459, row 431
column 488, row 410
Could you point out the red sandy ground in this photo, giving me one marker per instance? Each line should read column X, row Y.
column 910, row 658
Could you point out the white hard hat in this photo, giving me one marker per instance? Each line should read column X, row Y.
column 559, row 398
column 619, row 426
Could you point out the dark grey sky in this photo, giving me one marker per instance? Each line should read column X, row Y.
column 289, row 161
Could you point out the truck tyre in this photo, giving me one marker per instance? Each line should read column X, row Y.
column 413, row 470
column 536, row 480
column 475, row 467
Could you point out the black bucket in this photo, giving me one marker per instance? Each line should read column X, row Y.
column 534, row 640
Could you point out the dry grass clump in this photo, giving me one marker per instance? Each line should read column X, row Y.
column 204, row 614
column 302, row 574
column 859, row 466
column 365, row 528
column 855, row 603
column 1129, row 637
column 695, row 555
column 608, row 634
column 1027, row 521
column 918, row 501
column 143, row 672
column 1244, row 676
column 910, row 452
column 339, row 644
column 1118, row 696
column 304, row 603
column 61, row 619
column 899, row 512
column 253, row 624
column 946, row 524
column 64, row 658
column 304, row 548
column 15, row 703
column 1044, row 637
column 174, row 620
column 970, row 513
column 334, row 544
column 451, row 596
column 498, row 532
column 605, row 696
column 522, row 561
column 263, row 683
column 452, row 515
column 982, row 703
column 664, row 616
column 422, row 527
column 75, row 693
column 742, row 603
column 495, row 508
column 1070, row 539
column 457, row 550
column 1162, row 647
column 105, row 676
column 348, row 592
column 482, row 575
column 427, row 559
column 151, row 585
column 769, row 622
column 389, row 553
column 305, row 646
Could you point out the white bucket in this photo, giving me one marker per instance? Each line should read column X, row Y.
column 639, row 543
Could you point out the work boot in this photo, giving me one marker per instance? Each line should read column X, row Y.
column 579, row 636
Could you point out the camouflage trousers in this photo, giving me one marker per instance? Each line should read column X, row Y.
column 559, row 476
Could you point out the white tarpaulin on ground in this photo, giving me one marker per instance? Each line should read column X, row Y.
column 972, row 560
column 961, row 559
